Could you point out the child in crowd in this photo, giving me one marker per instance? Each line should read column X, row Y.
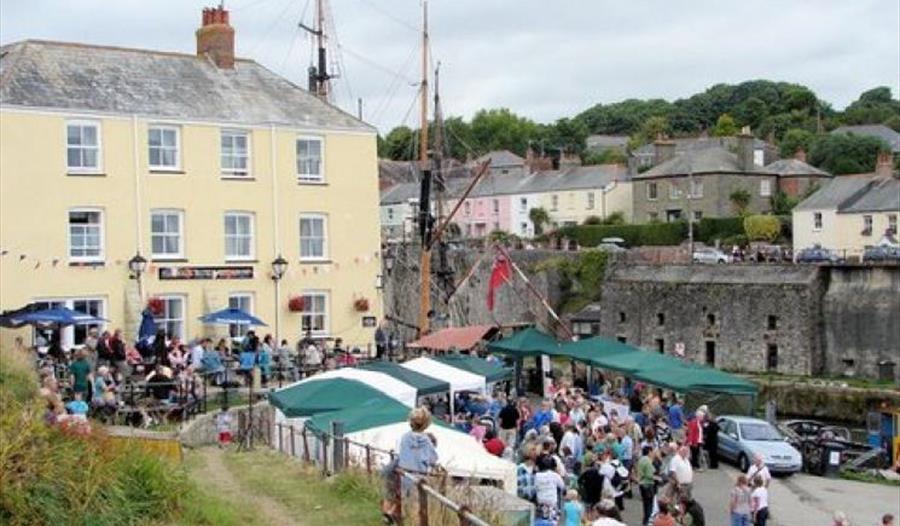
column 78, row 408
column 573, row 509
column 223, row 427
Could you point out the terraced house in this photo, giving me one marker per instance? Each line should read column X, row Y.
column 192, row 179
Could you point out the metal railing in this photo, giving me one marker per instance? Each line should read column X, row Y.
column 313, row 446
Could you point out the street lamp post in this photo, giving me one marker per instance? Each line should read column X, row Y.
column 137, row 265
column 279, row 267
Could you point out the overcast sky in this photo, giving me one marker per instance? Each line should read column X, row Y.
column 541, row 58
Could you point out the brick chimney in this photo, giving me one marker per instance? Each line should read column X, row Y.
column 800, row 155
column 745, row 150
column 884, row 164
column 215, row 38
column 663, row 150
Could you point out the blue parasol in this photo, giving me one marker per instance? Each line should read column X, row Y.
column 60, row 316
column 231, row 316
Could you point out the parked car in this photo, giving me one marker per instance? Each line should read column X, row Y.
column 817, row 254
column 881, row 253
column 741, row 438
column 816, row 441
column 610, row 247
column 711, row 255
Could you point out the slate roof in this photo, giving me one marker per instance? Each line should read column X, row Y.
column 697, row 143
column 873, row 130
column 794, row 167
column 592, row 312
column 400, row 193
column 882, row 196
column 111, row 80
column 501, row 158
column 714, row 159
column 855, row 194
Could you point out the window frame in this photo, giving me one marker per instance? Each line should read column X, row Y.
column 252, row 219
column 181, row 230
column 495, row 206
column 868, row 224
column 231, row 173
column 467, row 207
column 101, row 257
column 554, row 203
column 696, row 188
column 67, row 335
column 674, row 192
column 654, row 195
column 81, row 123
column 590, row 200
column 307, row 178
column 324, row 219
column 162, row 322
column 523, row 204
column 239, row 330
column 818, row 221
column 326, row 315
column 765, row 188
column 162, row 167
column 892, row 223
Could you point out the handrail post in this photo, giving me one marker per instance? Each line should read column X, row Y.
column 338, row 445
column 423, row 503
column 306, row 456
column 368, row 459
column 463, row 515
column 293, row 443
column 399, row 502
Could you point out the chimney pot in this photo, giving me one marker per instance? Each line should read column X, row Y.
column 663, row 150
column 884, row 164
column 745, row 151
column 215, row 38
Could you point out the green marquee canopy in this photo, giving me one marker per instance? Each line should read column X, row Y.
column 650, row 367
column 319, row 396
column 490, row 371
column 424, row 384
column 525, row 343
column 373, row 413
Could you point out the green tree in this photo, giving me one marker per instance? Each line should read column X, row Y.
column 615, row 218
column 874, row 106
column 741, row 200
column 893, row 123
column 793, row 140
column 725, row 126
column 783, row 204
column 539, row 217
column 846, row 153
column 398, row 144
column 607, row 156
column 650, row 130
column 801, row 99
column 751, row 112
column 762, row 227
column 593, row 220
column 457, row 137
column 501, row 129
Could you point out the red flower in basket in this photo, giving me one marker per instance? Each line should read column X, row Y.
column 155, row 306
column 361, row 305
column 296, row 304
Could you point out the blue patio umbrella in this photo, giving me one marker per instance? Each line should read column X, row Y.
column 60, row 316
column 10, row 319
column 147, row 330
column 231, row 316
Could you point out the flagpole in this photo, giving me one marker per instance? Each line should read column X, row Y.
column 569, row 334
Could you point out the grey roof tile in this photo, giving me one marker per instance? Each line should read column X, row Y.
column 855, row 193
column 714, row 159
column 891, row 137
column 66, row 77
column 501, row 158
column 788, row 167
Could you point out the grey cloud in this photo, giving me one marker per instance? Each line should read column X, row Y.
column 542, row 59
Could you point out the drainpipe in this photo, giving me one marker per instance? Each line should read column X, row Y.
column 276, row 240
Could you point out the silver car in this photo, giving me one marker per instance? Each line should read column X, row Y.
column 741, row 438
column 711, row 255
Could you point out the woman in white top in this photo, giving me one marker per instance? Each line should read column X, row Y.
column 548, row 483
column 759, row 502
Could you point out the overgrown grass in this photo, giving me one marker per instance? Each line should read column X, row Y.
column 53, row 475
column 348, row 498
column 862, row 476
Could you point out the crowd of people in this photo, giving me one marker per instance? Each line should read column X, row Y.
column 156, row 378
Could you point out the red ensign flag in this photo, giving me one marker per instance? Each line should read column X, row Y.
column 500, row 274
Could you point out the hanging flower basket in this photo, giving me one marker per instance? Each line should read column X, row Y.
column 361, row 305
column 155, row 306
column 296, row 304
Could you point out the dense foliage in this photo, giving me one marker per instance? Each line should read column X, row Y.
column 634, row 235
column 762, row 227
column 790, row 114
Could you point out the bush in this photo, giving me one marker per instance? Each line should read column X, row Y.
column 710, row 229
column 762, row 228
column 634, row 235
column 593, row 220
column 739, row 240
column 53, row 476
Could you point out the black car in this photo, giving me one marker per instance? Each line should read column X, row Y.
column 881, row 253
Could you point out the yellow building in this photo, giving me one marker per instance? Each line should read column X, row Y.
column 210, row 167
column 850, row 213
column 571, row 196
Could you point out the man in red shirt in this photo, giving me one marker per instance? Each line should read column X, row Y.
column 492, row 444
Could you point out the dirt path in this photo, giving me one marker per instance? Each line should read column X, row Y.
column 214, row 473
